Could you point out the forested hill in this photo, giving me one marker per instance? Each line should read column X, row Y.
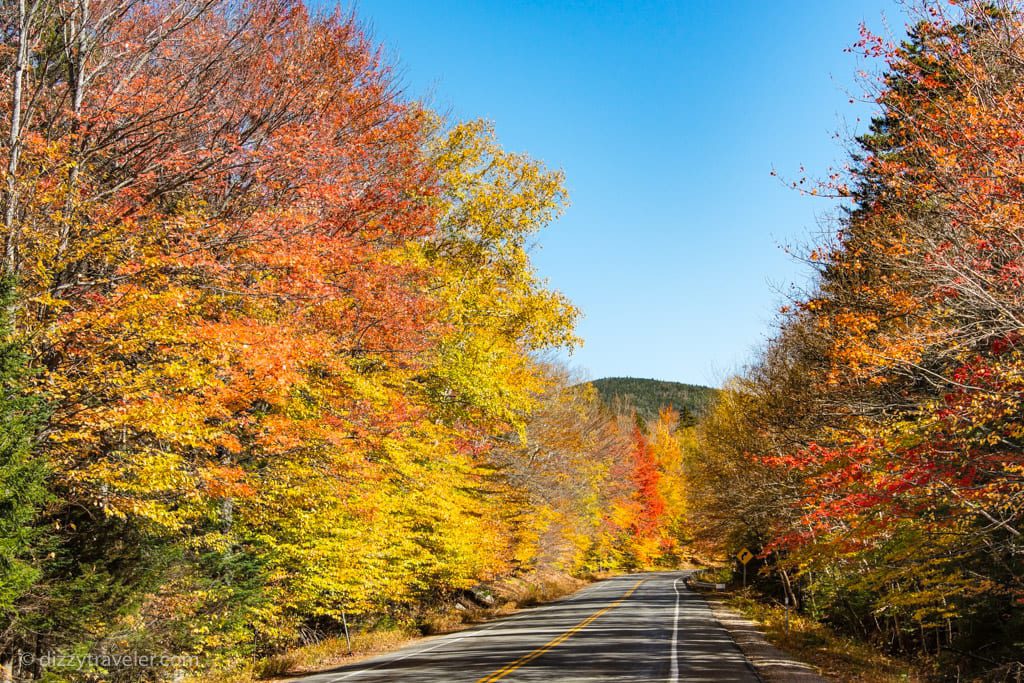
column 649, row 396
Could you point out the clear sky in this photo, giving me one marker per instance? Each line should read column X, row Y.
column 667, row 118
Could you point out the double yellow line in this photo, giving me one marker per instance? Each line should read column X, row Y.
column 527, row 658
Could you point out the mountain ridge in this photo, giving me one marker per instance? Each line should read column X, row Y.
column 648, row 396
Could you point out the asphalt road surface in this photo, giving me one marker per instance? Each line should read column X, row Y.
column 641, row 627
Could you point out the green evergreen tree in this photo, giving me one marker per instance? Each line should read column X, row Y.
column 22, row 476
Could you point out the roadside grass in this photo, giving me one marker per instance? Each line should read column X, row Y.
column 326, row 654
column 838, row 657
column 509, row 595
column 333, row 652
column 535, row 589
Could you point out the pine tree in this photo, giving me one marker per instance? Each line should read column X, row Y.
column 22, row 475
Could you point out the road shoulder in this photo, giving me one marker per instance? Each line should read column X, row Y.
column 772, row 664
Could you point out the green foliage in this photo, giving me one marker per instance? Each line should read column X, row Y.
column 22, row 476
column 649, row 396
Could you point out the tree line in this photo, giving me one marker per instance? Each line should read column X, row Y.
column 872, row 457
column 270, row 346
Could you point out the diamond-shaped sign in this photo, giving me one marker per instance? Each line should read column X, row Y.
column 744, row 556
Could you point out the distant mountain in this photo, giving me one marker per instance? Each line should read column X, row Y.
column 649, row 396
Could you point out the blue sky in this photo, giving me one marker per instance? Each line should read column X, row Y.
column 667, row 118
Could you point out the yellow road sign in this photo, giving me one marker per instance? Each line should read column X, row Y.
column 744, row 556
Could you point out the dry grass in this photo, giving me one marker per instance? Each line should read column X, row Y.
column 326, row 654
column 534, row 589
column 838, row 657
column 510, row 594
column 436, row 622
column 333, row 652
column 244, row 675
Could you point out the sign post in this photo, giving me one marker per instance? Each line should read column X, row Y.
column 744, row 556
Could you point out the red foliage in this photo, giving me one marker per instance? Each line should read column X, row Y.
column 645, row 477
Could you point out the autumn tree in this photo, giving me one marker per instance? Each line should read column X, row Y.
column 562, row 470
column 897, row 455
column 287, row 333
column 283, row 319
column 668, row 437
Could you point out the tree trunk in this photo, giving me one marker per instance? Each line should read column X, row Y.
column 788, row 587
column 14, row 138
column 76, row 49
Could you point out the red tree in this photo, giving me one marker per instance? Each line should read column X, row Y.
column 645, row 475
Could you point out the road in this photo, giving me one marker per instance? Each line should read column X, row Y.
column 641, row 627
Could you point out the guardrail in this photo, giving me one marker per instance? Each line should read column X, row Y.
column 694, row 581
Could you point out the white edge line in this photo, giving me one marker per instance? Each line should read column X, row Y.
column 406, row 656
column 673, row 676
column 416, row 652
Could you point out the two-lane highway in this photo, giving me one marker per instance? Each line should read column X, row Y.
column 642, row 627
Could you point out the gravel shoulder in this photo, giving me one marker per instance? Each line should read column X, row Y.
column 772, row 664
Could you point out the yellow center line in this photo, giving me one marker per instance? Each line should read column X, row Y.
column 527, row 658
